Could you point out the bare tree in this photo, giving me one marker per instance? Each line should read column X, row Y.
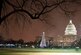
column 33, row 8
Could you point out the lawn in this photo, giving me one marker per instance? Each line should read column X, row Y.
column 35, row 51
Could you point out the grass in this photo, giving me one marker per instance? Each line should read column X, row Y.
column 9, row 51
column 37, row 50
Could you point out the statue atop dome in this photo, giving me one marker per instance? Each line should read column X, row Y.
column 70, row 21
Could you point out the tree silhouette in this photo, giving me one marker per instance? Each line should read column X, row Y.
column 33, row 8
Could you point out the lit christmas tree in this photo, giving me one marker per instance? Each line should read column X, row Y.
column 43, row 41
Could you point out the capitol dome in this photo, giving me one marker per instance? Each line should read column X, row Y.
column 70, row 29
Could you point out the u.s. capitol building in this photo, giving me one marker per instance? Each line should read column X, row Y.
column 69, row 37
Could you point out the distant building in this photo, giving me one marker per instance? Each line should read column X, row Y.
column 70, row 34
column 70, row 29
column 69, row 37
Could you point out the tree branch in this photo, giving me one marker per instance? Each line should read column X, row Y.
column 12, row 12
column 11, row 4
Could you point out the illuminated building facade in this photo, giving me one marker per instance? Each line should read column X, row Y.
column 70, row 36
column 70, row 29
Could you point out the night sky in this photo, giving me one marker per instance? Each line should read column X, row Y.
column 56, row 24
